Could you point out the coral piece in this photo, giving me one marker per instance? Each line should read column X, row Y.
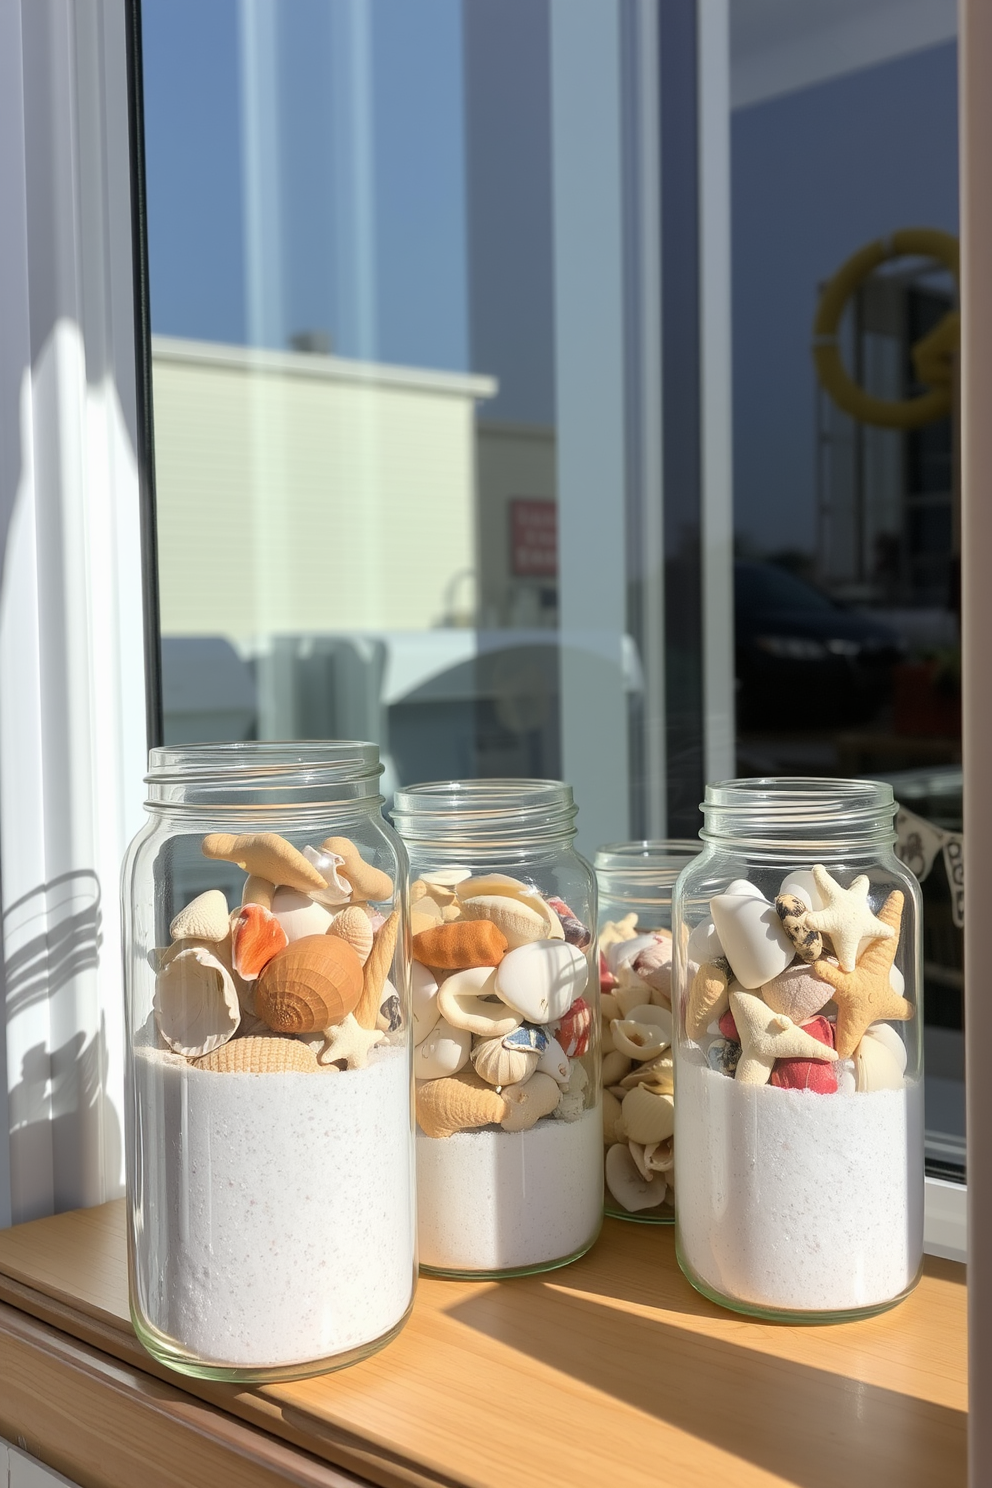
column 367, row 882
column 265, row 855
column 527, row 1103
column 575, row 1028
column 865, row 995
column 269, row 1055
column 766, row 1036
column 709, row 997
column 455, row 947
column 459, row 1103
column 256, row 936
column 354, row 926
column 196, row 1003
column 311, row 984
column 846, row 916
column 792, row 911
column 350, row 1042
column 377, row 970
column 205, row 918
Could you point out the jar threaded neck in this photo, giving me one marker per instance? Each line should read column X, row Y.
column 798, row 811
column 478, row 814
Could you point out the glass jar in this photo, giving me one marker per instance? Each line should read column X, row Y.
column 269, row 1136
column 636, row 880
column 505, row 1009
column 798, row 1072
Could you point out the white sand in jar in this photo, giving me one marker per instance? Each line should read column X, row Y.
column 491, row 1200
column 789, row 1199
column 277, row 1216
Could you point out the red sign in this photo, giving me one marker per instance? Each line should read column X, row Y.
column 533, row 538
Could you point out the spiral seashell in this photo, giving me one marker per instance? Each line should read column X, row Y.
column 458, row 1103
column 266, row 1055
column 204, row 918
column 196, row 1002
column 354, row 926
column 499, row 1065
column 314, row 983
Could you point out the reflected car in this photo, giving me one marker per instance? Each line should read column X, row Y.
column 803, row 659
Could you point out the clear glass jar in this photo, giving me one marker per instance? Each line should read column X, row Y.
column 269, row 1136
column 636, row 880
column 505, row 1008
column 798, row 1067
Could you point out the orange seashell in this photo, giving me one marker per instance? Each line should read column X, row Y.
column 256, row 936
column 459, row 945
column 312, row 984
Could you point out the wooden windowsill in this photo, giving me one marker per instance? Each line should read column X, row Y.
column 612, row 1371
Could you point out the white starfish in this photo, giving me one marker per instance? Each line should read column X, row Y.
column 846, row 917
column 349, row 1040
column 766, row 1036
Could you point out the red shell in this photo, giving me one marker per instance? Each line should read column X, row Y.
column 576, row 933
column 256, row 936
column 728, row 1027
column 809, row 1074
column 573, row 1030
column 607, row 981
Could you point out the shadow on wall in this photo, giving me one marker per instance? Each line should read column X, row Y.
column 64, row 1129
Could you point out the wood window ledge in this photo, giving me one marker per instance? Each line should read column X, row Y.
column 612, row 1371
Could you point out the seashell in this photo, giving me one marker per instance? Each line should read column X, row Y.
column 654, row 965
column 723, row 1055
column 709, row 997
column 792, row 912
column 897, row 981
column 312, row 984
column 445, row 879
column 258, row 891
column 455, row 947
column 542, row 979
column 451, row 913
column 752, row 937
column 578, row 1075
column 467, row 999
column 875, row 1066
column 196, row 1002
column 846, row 1079
column 500, row 1065
column 443, row 1052
column 887, row 1035
column 607, row 981
column 645, row 1033
column 267, row 1055
column 629, row 1188
column 265, row 855
column 615, row 1067
column 376, row 970
column 703, row 943
column 299, row 915
column 802, row 885
column 519, row 922
column 648, row 1117
column 575, row 1028
column 423, row 1001
column 571, row 1104
column 554, row 1062
column 502, row 886
column 659, row 1157
column 606, row 1044
column 527, row 1103
column 609, row 1008
column 797, row 992
column 611, row 1118
column 528, row 1037
column 617, row 930
column 205, row 918
column 459, row 1103
column 420, row 922
column 368, row 883
column 630, row 992
column 336, row 890
column 256, row 936
column 658, row 1074
column 623, row 952
column 354, row 926
column 390, row 1011
column 572, row 927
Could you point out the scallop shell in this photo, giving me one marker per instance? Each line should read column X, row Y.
column 196, row 1002
column 527, row 1103
column 463, row 1000
column 632, row 1191
column 205, row 918
column 266, row 855
column 458, row 1103
column 269, row 1055
column 354, row 926
column 648, row 1117
column 313, row 983
column 645, row 1033
column 499, row 1065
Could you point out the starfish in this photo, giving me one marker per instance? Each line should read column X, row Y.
column 349, row 1040
column 766, row 1036
column 845, row 916
column 865, row 996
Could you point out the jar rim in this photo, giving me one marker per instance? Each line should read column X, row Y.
column 778, row 809
column 641, row 855
column 263, row 775
column 488, row 811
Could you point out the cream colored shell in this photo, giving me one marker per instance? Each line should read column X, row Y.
column 648, row 1117
column 611, row 1119
column 354, row 926
column 527, row 1103
column 875, row 1067
column 502, row 886
column 196, row 1002
column 462, row 999
column 205, row 918
column 644, row 1033
column 501, row 1066
column 631, row 1190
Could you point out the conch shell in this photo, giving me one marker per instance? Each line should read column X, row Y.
column 313, row 983
column 196, row 1002
column 458, row 1103
column 527, row 1103
column 260, row 1056
column 645, row 1033
column 354, row 926
column 204, row 918
column 265, row 855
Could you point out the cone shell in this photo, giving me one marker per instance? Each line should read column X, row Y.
column 204, row 918
column 260, row 1056
column 354, row 926
column 457, row 946
column 196, row 1002
column 256, row 936
column 368, row 883
column 313, row 983
column 265, row 855
column 458, row 1103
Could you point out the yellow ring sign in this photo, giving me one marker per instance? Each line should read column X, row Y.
column 932, row 356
